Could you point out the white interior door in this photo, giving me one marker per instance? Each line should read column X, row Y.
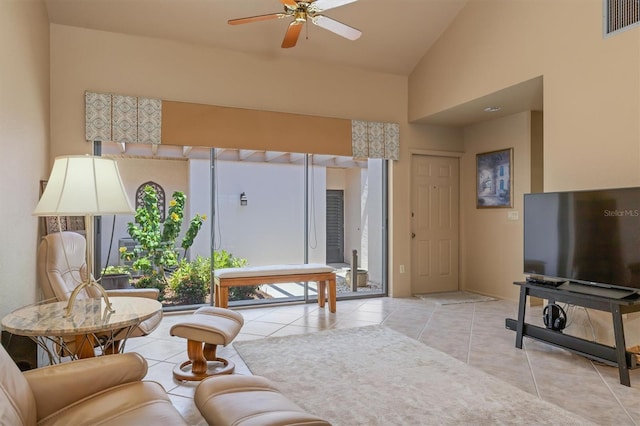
column 435, row 186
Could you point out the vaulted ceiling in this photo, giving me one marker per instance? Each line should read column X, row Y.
column 396, row 33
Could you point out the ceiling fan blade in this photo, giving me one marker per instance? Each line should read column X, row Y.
column 257, row 18
column 320, row 5
column 293, row 32
column 336, row 27
column 291, row 4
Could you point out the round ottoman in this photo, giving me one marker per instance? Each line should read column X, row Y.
column 207, row 328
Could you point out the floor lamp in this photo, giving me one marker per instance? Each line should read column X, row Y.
column 86, row 186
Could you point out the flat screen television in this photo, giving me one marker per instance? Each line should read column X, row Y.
column 585, row 237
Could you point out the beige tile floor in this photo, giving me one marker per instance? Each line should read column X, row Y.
column 471, row 332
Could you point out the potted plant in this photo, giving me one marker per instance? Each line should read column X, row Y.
column 156, row 251
column 191, row 281
column 115, row 277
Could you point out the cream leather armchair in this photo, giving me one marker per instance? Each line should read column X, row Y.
column 62, row 266
column 107, row 390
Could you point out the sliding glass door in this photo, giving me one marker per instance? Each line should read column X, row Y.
column 339, row 220
column 259, row 218
column 262, row 208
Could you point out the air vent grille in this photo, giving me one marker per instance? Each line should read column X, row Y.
column 620, row 15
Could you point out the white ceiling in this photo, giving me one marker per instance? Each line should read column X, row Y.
column 396, row 33
column 524, row 96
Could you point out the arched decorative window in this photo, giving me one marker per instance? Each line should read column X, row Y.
column 160, row 194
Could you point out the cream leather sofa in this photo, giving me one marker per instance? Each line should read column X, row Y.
column 106, row 390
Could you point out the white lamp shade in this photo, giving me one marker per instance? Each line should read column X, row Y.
column 84, row 185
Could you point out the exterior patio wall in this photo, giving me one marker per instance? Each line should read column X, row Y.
column 270, row 228
column 267, row 232
column 200, row 202
column 363, row 228
column 373, row 226
column 352, row 216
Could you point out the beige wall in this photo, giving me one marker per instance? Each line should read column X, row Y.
column 24, row 137
column 491, row 249
column 106, row 62
column 591, row 130
column 591, row 84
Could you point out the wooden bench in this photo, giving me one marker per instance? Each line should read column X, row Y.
column 256, row 275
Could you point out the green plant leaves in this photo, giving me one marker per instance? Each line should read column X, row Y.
column 156, row 248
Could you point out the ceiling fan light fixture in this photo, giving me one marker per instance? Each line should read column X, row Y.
column 300, row 16
column 301, row 12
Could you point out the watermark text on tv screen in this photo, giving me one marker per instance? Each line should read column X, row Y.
column 619, row 213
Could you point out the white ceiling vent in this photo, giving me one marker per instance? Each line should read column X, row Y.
column 620, row 15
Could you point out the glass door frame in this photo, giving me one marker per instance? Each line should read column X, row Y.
column 305, row 298
column 98, row 233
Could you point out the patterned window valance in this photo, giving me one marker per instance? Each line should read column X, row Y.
column 118, row 118
column 375, row 140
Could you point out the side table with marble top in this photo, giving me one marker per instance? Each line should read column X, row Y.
column 89, row 326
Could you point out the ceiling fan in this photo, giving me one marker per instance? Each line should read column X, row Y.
column 303, row 11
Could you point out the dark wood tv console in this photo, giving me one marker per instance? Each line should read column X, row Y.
column 615, row 356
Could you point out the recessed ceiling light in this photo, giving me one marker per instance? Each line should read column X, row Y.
column 492, row 109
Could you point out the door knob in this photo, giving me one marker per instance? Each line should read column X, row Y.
column 413, row 235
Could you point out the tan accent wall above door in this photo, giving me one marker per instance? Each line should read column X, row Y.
column 193, row 124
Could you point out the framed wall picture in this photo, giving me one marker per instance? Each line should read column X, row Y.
column 494, row 179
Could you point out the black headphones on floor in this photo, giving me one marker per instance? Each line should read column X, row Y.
column 554, row 317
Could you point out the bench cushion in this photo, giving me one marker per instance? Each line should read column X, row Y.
column 270, row 270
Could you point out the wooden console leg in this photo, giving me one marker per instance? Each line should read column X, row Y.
column 321, row 293
column 222, row 297
column 332, row 295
